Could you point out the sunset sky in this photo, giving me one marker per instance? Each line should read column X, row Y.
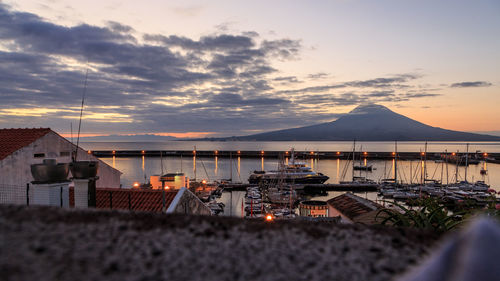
column 223, row 68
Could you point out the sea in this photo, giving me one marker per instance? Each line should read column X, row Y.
column 139, row 169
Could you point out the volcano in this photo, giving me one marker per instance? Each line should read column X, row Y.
column 371, row 122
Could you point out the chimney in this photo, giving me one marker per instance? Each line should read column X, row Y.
column 85, row 177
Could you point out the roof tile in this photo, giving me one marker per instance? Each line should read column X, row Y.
column 11, row 140
column 352, row 206
column 130, row 199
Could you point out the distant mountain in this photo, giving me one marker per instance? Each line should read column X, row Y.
column 129, row 138
column 371, row 122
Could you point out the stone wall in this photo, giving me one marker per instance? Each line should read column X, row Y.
column 42, row 243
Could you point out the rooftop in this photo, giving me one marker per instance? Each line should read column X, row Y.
column 11, row 140
column 352, row 205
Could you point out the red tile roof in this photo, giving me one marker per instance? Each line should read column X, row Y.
column 352, row 206
column 130, row 199
column 11, row 140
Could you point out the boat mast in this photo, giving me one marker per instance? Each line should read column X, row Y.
column 425, row 163
column 456, row 169
column 411, row 173
column 442, row 171
column 446, row 159
column 395, row 162
column 421, row 168
column 466, row 161
column 231, row 166
column 194, row 163
column 353, row 151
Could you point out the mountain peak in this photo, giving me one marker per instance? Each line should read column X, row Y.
column 369, row 108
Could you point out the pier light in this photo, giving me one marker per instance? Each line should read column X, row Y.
column 394, row 153
column 114, row 152
column 422, row 153
column 338, row 152
column 136, row 185
column 239, row 152
column 142, row 152
column 485, row 154
column 269, row 217
column 216, row 152
column 89, row 152
column 365, row 153
column 204, row 182
column 453, row 153
column 312, row 153
column 167, row 187
column 262, row 152
column 286, row 152
column 194, row 152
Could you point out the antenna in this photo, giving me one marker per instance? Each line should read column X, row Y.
column 81, row 111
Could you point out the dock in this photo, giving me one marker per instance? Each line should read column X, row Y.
column 341, row 187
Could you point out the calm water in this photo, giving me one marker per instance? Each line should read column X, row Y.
column 137, row 169
column 300, row 146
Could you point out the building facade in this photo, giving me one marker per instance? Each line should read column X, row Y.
column 19, row 148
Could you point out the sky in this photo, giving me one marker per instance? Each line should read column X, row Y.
column 226, row 68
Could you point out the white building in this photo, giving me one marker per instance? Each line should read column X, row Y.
column 19, row 148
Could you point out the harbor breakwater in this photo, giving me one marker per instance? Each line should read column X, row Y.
column 344, row 155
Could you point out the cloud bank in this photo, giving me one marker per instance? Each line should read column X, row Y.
column 471, row 84
column 224, row 83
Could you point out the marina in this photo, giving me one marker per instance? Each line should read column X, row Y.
column 403, row 177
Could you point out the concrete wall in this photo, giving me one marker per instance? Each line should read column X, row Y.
column 15, row 169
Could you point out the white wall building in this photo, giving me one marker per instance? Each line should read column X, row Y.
column 19, row 148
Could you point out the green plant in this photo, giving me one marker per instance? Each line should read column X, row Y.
column 492, row 208
column 432, row 215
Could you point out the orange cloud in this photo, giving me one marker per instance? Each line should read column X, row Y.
column 177, row 135
column 68, row 135
column 186, row 134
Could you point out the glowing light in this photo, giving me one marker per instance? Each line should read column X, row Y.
column 485, row 154
column 89, row 152
column 269, row 217
column 394, row 153
column 114, row 152
column 167, row 187
column 216, row 152
column 194, row 152
column 136, row 185
column 338, row 152
column 365, row 153
column 422, row 153
column 453, row 154
column 262, row 152
column 204, row 182
column 143, row 152
column 239, row 152
column 286, row 152
column 311, row 153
